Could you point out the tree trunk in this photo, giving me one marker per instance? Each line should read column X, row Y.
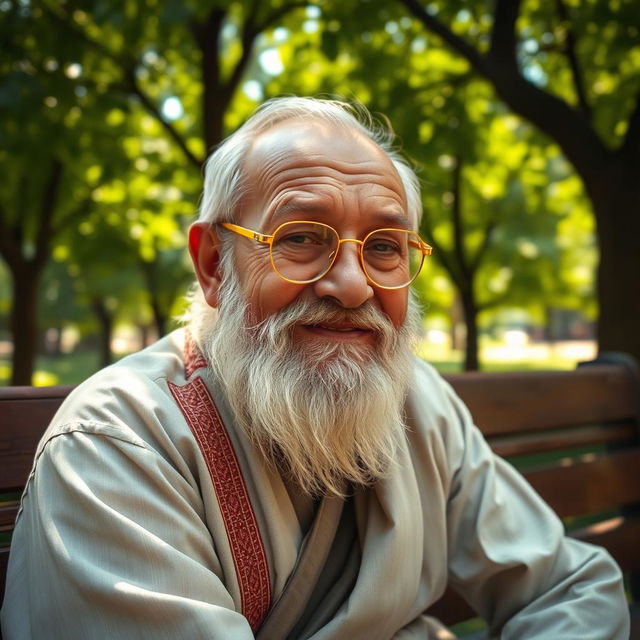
column 550, row 332
column 617, row 210
column 144, row 335
column 151, row 276
column 159, row 318
column 24, row 323
column 470, row 312
column 105, row 319
column 457, row 324
column 56, row 349
column 207, row 34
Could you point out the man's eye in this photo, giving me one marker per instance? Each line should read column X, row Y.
column 383, row 247
column 300, row 239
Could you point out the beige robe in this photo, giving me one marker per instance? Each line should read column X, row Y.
column 150, row 515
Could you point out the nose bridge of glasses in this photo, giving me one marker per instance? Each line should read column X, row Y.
column 334, row 255
column 358, row 242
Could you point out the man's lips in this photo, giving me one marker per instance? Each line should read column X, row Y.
column 338, row 327
column 338, row 331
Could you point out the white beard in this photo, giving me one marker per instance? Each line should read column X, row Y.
column 325, row 413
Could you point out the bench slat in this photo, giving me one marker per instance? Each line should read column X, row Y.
column 4, row 561
column 35, row 393
column 513, row 402
column 592, row 485
column 8, row 515
column 24, row 414
column 546, row 441
column 620, row 537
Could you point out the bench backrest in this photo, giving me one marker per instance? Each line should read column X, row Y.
column 573, row 434
column 25, row 413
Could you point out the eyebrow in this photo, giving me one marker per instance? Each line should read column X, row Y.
column 381, row 218
column 400, row 220
column 298, row 206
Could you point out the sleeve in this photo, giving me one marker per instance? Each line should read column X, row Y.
column 111, row 543
column 509, row 557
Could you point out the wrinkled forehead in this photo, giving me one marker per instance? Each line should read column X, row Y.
column 317, row 144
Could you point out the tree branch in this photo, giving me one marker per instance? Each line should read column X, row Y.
column 278, row 14
column 484, row 245
column 458, row 224
column 127, row 66
column 442, row 254
column 252, row 28
column 503, row 45
column 570, row 52
column 207, row 36
column 631, row 144
column 77, row 213
column 47, row 209
column 458, row 44
column 152, row 108
column 497, row 300
column 67, row 23
column 10, row 248
column 550, row 114
column 250, row 31
column 445, row 260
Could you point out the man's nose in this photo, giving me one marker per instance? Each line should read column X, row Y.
column 345, row 282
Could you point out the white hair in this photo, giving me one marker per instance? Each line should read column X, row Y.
column 224, row 183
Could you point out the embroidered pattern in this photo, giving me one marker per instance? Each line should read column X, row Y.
column 193, row 358
column 240, row 522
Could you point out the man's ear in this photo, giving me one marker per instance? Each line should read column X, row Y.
column 204, row 247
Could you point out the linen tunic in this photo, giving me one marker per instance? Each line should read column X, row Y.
column 149, row 514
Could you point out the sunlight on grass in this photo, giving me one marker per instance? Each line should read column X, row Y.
column 71, row 368
column 45, row 379
column 75, row 367
column 495, row 357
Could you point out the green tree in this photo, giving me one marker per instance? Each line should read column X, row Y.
column 67, row 70
column 573, row 70
column 490, row 220
column 197, row 52
column 52, row 132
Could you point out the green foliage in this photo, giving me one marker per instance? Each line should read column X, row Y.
column 127, row 97
column 515, row 185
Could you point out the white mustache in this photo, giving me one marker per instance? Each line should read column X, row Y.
column 314, row 312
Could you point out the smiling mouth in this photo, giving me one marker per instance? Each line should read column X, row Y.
column 339, row 331
column 330, row 327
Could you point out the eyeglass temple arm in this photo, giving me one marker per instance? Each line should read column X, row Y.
column 248, row 233
column 426, row 249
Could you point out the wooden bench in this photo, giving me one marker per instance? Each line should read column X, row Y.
column 582, row 424
column 575, row 436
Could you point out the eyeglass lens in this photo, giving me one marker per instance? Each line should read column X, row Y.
column 304, row 251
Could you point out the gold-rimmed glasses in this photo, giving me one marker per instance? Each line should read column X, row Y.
column 304, row 251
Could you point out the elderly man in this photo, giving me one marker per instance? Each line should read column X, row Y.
column 283, row 467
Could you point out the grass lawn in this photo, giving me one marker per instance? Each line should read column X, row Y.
column 70, row 368
column 74, row 367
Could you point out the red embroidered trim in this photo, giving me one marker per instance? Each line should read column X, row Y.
column 193, row 358
column 240, row 522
